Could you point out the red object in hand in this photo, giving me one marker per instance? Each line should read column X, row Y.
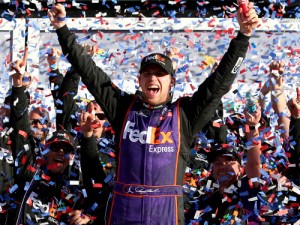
column 244, row 5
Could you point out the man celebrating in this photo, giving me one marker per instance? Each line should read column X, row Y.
column 154, row 134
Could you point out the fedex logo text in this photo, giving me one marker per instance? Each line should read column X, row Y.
column 150, row 136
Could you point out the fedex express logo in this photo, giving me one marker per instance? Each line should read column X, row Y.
column 158, row 58
column 150, row 136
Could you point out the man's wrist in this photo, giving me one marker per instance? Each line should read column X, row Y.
column 87, row 134
column 17, row 85
column 59, row 25
column 242, row 36
column 245, row 33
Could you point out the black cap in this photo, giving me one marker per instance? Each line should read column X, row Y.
column 63, row 139
column 226, row 151
column 159, row 59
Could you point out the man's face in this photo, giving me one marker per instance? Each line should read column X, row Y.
column 101, row 119
column 226, row 169
column 37, row 124
column 57, row 160
column 155, row 84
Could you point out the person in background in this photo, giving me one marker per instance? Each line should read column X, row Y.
column 222, row 195
column 97, row 159
column 104, row 136
column 17, row 157
column 46, row 170
column 281, row 152
column 153, row 133
column 101, row 145
column 54, row 193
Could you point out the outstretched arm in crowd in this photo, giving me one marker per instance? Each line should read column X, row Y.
column 66, row 87
column 55, row 77
column 63, row 89
column 20, row 121
column 92, row 169
column 252, row 167
column 89, row 156
column 19, row 116
column 278, row 98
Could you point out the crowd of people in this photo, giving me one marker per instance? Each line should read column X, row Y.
column 145, row 158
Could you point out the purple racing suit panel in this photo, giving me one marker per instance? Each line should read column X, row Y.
column 144, row 210
column 146, row 192
column 149, row 144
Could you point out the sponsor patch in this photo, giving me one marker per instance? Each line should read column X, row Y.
column 237, row 65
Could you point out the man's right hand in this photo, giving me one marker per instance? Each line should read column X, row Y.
column 19, row 67
column 57, row 16
column 253, row 118
column 249, row 21
column 274, row 81
column 54, row 57
column 87, row 122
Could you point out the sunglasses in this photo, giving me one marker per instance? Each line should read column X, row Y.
column 56, row 147
column 36, row 121
column 100, row 116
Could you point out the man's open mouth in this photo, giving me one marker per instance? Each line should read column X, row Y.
column 153, row 89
